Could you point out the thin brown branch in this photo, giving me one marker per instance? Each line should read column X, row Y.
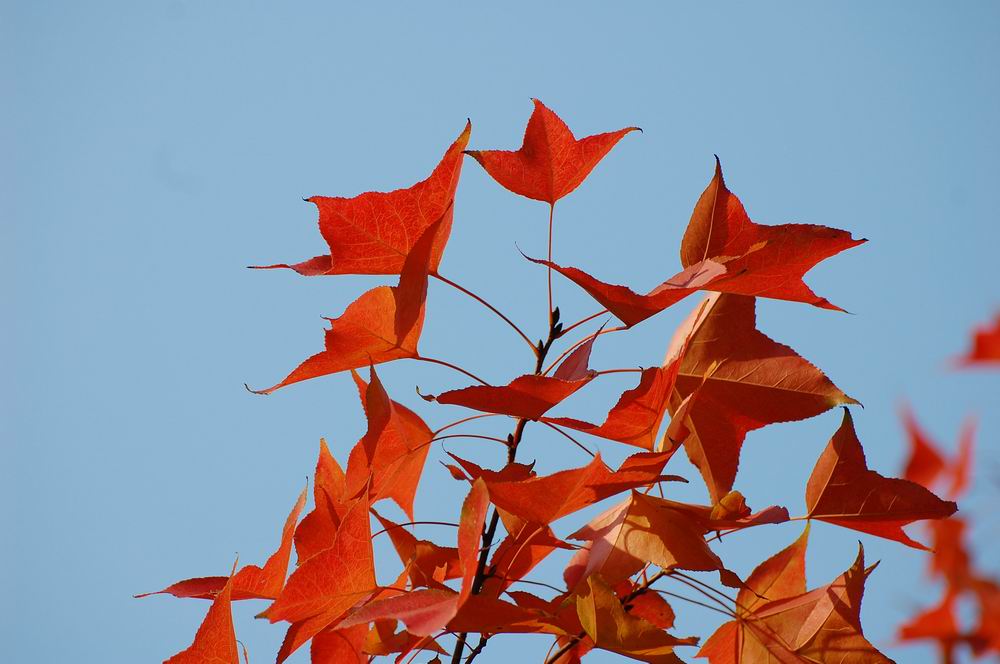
column 571, row 438
column 471, row 435
column 454, row 367
column 464, row 420
column 485, row 303
column 415, row 523
column 490, row 529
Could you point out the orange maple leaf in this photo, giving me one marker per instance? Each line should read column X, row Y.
column 215, row 640
column 843, row 491
column 552, row 162
column 329, row 583
column 638, row 531
column 529, row 396
column 382, row 325
column 390, row 457
column 777, row 620
column 251, row 582
column 737, row 380
column 374, row 232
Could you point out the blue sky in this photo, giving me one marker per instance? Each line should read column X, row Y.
column 152, row 150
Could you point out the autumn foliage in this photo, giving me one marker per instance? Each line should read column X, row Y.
column 721, row 379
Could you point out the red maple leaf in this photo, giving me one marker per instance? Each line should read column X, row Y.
column 552, row 162
column 374, row 232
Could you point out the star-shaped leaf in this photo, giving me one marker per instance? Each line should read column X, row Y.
column 374, row 232
column 382, row 325
column 552, row 162
column 843, row 491
column 738, row 380
column 251, row 582
column 215, row 641
column 793, row 626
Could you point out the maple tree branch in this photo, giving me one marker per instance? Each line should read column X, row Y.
column 490, row 529
column 455, row 367
column 478, row 649
column 489, row 306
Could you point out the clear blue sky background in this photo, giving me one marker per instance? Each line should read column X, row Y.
column 152, row 150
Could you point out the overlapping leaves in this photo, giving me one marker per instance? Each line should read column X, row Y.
column 722, row 379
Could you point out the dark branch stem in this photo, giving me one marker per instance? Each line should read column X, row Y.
column 490, row 529
column 477, row 649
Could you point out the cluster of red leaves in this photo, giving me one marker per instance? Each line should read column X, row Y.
column 721, row 379
column 951, row 562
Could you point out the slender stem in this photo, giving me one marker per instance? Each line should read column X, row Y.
column 416, row 649
column 552, row 210
column 526, row 542
column 694, row 601
column 583, row 320
column 489, row 306
column 464, row 420
column 538, row 583
column 578, row 344
column 415, row 523
column 454, row 367
column 490, row 528
column 614, row 371
column 722, row 606
column 704, row 585
column 471, row 435
column 571, row 438
column 719, row 534
column 549, row 651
